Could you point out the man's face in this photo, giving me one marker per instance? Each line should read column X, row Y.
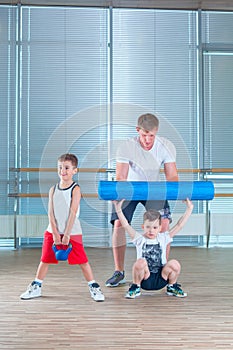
column 147, row 138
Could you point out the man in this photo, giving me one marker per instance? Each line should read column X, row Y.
column 140, row 159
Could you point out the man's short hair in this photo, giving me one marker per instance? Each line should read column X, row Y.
column 148, row 122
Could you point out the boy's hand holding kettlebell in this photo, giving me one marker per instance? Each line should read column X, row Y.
column 56, row 239
column 65, row 240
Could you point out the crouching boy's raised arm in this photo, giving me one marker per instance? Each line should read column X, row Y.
column 183, row 219
column 122, row 218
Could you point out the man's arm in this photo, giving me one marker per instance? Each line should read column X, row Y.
column 184, row 218
column 170, row 171
column 122, row 170
column 123, row 220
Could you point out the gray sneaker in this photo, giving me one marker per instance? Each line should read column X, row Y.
column 116, row 279
column 33, row 291
column 96, row 292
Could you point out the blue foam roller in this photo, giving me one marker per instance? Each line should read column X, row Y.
column 155, row 190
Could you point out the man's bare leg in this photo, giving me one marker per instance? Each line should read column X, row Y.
column 118, row 248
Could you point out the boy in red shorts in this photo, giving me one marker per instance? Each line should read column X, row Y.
column 64, row 228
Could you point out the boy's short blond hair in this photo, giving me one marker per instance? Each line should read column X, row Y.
column 69, row 157
column 148, row 122
column 152, row 215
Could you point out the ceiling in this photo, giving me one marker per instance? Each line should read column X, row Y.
column 220, row 5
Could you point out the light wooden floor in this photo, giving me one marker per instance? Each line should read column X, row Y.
column 67, row 318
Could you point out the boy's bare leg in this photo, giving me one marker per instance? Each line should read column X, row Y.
column 42, row 270
column 140, row 271
column 87, row 271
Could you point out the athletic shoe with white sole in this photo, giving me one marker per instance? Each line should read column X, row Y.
column 133, row 292
column 176, row 291
column 96, row 292
column 116, row 279
column 33, row 291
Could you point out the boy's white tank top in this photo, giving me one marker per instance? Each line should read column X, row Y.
column 61, row 204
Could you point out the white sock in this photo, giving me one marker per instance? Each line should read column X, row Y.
column 91, row 282
column 38, row 281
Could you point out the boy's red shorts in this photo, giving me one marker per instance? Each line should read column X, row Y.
column 76, row 256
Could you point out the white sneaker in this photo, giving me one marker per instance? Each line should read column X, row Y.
column 96, row 292
column 33, row 291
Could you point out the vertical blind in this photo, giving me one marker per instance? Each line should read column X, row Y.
column 8, row 103
column 217, row 41
column 218, row 88
column 64, row 71
column 155, row 68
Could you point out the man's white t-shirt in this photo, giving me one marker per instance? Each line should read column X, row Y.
column 145, row 165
